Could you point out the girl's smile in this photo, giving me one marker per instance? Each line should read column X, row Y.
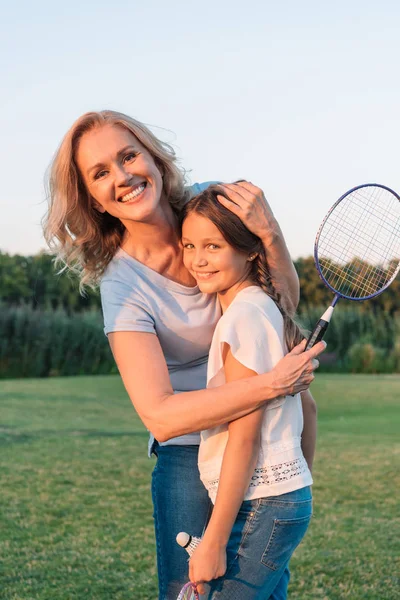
column 204, row 275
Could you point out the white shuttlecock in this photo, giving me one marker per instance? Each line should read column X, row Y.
column 188, row 542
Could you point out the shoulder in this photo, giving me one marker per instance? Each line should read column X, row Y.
column 253, row 306
column 124, row 303
column 121, row 269
column 253, row 328
column 121, row 281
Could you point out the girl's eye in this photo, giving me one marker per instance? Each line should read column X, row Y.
column 213, row 246
column 188, row 246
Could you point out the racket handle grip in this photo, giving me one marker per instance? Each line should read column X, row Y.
column 317, row 335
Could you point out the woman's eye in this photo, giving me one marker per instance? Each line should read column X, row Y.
column 188, row 246
column 100, row 174
column 129, row 157
column 213, row 246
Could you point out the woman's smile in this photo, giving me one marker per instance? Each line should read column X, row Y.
column 133, row 194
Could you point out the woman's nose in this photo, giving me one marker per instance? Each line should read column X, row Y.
column 122, row 176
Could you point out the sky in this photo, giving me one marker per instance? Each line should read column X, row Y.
column 301, row 98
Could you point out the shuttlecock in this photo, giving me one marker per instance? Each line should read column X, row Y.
column 188, row 542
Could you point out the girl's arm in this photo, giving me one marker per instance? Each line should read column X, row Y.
column 309, row 435
column 142, row 366
column 250, row 205
column 239, row 461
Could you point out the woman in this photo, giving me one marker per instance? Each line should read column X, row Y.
column 115, row 195
column 253, row 468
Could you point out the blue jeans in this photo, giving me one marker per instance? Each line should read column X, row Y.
column 181, row 503
column 264, row 536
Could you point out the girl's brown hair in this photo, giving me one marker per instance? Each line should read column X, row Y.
column 241, row 239
column 82, row 238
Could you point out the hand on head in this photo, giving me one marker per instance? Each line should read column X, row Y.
column 248, row 202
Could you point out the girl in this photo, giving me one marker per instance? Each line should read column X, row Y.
column 115, row 196
column 253, row 467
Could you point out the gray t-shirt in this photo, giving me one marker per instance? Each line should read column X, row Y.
column 137, row 298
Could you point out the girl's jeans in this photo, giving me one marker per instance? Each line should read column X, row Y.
column 264, row 536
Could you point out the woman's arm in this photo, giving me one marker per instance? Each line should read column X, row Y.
column 142, row 366
column 250, row 205
column 309, row 435
column 240, row 459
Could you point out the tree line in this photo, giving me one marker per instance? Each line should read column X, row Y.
column 33, row 281
column 48, row 329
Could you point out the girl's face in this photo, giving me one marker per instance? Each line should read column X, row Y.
column 216, row 266
column 119, row 173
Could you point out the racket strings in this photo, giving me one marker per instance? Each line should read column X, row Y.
column 382, row 240
column 366, row 229
column 349, row 213
column 359, row 242
column 352, row 283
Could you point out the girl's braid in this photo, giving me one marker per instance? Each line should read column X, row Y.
column 262, row 277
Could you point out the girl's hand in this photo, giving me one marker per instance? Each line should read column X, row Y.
column 249, row 203
column 207, row 562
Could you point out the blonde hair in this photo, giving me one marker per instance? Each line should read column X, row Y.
column 83, row 239
column 241, row 239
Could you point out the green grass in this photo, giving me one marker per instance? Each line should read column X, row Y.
column 75, row 510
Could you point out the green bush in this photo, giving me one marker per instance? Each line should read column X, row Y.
column 36, row 343
column 366, row 358
column 42, row 343
column 358, row 341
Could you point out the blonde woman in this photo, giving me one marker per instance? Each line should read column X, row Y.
column 115, row 197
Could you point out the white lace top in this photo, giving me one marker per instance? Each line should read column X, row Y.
column 253, row 327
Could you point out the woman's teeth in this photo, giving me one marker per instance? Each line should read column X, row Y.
column 133, row 194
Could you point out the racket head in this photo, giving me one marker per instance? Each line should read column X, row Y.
column 188, row 592
column 357, row 248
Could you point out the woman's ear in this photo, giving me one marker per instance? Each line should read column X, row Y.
column 160, row 167
column 98, row 206
column 252, row 256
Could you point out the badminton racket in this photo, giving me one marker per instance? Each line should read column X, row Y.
column 357, row 248
column 188, row 592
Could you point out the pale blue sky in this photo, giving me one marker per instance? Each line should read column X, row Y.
column 302, row 98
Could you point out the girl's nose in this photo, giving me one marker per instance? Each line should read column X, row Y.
column 200, row 259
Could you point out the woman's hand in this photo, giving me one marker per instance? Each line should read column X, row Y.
column 295, row 372
column 207, row 562
column 249, row 203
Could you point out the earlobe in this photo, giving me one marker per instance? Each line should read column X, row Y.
column 98, row 207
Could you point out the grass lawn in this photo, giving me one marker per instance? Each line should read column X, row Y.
column 75, row 510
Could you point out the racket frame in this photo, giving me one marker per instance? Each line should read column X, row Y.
column 319, row 330
column 316, row 261
column 186, row 587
